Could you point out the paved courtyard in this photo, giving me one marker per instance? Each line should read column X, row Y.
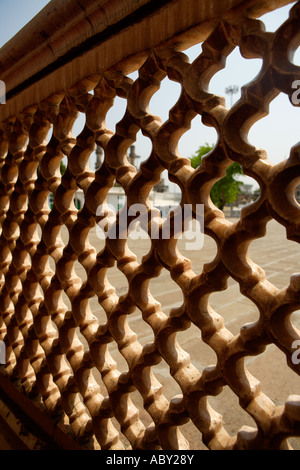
column 280, row 259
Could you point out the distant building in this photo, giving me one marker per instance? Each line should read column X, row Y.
column 160, row 196
column 160, row 187
column 132, row 157
column 246, row 196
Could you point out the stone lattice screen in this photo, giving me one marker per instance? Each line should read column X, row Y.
column 59, row 345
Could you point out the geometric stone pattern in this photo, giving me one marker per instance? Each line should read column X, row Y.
column 57, row 346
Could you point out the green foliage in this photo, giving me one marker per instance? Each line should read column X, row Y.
column 62, row 167
column 197, row 158
column 226, row 190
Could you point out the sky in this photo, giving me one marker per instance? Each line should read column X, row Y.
column 276, row 133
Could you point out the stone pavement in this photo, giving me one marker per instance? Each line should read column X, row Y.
column 280, row 259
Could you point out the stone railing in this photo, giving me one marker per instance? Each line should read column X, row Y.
column 76, row 362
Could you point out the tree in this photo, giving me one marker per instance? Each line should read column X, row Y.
column 62, row 168
column 226, row 190
column 201, row 152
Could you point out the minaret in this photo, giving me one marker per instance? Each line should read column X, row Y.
column 132, row 156
column 99, row 155
column 160, row 187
